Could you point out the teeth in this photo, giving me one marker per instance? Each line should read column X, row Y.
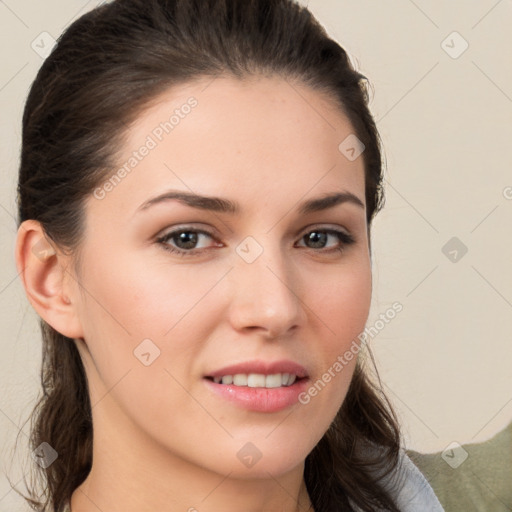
column 240, row 379
column 273, row 381
column 258, row 380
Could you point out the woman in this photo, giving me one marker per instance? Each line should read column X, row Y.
column 197, row 184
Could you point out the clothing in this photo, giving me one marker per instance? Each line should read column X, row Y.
column 482, row 482
column 416, row 494
column 413, row 493
column 410, row 489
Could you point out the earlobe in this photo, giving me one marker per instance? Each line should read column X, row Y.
column 42, row 269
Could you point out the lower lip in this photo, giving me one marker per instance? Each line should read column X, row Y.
column 260, row 399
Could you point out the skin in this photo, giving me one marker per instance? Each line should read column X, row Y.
column 162, row 440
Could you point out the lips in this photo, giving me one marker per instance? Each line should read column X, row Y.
column 253, row 385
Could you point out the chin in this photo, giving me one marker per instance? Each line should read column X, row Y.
column 261, row 457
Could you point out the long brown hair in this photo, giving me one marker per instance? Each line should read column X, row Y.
column 107, row 66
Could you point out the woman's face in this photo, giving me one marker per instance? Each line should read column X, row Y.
column 173, row 292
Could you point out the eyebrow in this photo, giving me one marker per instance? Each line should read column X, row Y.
column 222, row 205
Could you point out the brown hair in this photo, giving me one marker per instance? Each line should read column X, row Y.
column 107, row 66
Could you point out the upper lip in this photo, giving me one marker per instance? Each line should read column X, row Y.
column 261, row 367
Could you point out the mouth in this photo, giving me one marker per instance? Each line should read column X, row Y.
column 259, row 386
column 257, row 380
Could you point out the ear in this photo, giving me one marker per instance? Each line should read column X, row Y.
column 45, row 275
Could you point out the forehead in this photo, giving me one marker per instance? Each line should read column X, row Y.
column 262, row 136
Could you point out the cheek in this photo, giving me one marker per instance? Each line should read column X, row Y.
column 144, row 331
column 131, row 310
column 144, row 301
column 343, row 304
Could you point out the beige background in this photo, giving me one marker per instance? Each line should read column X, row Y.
column 446, row 124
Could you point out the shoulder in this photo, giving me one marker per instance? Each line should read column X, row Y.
column 471, row 475
column 407, row 486
column 412, row 491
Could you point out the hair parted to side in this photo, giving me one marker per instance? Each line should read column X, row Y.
column 106, row 68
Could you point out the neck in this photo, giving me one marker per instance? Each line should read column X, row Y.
column 147, row 477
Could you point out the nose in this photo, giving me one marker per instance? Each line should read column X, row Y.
column 266, row 296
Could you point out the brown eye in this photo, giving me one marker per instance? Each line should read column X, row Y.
column 184, row 241
column 319, row 238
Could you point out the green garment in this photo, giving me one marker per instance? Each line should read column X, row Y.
column 471, row 477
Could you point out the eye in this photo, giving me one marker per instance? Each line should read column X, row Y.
column 185, row 241
column 318, row 239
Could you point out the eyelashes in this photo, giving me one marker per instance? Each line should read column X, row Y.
column 315, row 236
column 175, row 235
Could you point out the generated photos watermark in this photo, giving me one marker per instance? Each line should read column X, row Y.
column 156, row 136
column 343, row 359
